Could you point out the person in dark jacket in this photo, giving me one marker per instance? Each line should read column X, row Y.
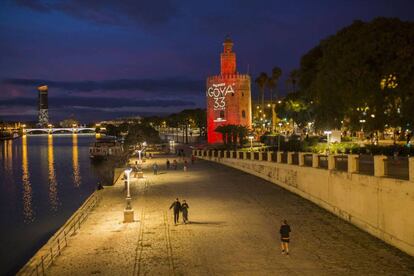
column 184, row 209
column 284, row 236
column 168, row 164
column 176, row 205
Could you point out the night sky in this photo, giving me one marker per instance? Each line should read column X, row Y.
column 110, row 58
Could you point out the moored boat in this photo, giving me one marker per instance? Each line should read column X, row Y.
column 105, row 147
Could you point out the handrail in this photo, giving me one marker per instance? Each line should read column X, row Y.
column 38, row 264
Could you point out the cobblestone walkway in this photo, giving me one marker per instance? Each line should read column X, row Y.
column 233, row 231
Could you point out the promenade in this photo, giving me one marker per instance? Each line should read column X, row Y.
column 235, row 218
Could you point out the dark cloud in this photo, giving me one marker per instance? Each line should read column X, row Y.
column 95, row 102
column 147, row 85
column 111, row 12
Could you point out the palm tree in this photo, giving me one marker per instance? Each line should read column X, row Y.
column 276, row 73
column 292, row 79
column 261, row 81
column 272, row 84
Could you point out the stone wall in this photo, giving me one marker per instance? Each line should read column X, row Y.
column 383, row 207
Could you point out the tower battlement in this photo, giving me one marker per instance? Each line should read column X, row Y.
column 228, row 76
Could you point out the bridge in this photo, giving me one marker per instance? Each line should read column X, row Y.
column 60, row 130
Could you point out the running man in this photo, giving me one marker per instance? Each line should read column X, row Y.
column 284, row 237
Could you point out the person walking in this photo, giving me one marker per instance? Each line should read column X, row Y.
column 175, row 164
column 284, row 236
column 176, row 205
column 155, row 168
column 184, row 209
column 168, row 164
column 193, row 159
column 185, row 165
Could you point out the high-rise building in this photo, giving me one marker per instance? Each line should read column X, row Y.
column 228, row 96
column 43, row 119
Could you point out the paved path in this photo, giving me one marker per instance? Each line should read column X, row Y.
column 234, row 231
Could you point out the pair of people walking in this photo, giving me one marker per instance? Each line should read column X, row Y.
column 177, row 208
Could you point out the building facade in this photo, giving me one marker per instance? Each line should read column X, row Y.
column 228, row 96
column 43, row 119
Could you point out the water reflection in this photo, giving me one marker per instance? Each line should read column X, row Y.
column 27, row 186
column 53, row 196
column 75, row 161
column 8, row 157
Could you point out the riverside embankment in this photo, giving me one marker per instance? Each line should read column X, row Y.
column 233, row 229
column 379, row 205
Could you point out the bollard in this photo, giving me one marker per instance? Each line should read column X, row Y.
column 411, row 168
column 269, row 156
column 379, row 165
column 352, row 163
column 331, row 162
column 301, row 157
column 290, row 157
column 261, row 156
column 315, row 160
column 279, row 156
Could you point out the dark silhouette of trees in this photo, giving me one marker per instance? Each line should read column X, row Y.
column 233, row 135
column 363, row 73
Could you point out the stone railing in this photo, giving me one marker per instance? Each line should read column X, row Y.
column 46, row 255
column 351, row 163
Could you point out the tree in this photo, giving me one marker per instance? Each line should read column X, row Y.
column 276, row 73
column 242, row 132
column 233, row 135
column 261, row 81
column 362, row 73
column 293, row 80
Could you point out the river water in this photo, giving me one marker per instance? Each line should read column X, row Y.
column 43, row 180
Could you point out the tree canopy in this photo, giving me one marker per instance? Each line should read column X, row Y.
column 365, row 72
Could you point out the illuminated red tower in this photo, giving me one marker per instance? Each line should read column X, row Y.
column 228, row 96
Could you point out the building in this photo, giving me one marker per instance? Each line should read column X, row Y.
column 228, row 96
column 43, row 119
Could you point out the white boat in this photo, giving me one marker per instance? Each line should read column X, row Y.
column 105, row 147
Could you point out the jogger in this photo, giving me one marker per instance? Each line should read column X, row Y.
column 284, row 237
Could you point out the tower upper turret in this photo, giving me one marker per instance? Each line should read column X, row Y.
column 228, row 58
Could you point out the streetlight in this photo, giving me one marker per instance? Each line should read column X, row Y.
column 328, row 133
column 128, row 211
column 251, row 137
column 278, row 138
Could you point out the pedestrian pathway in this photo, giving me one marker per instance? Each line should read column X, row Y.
column 235, row 218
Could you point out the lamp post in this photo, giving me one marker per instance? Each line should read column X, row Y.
column 278, row 138
column 128, row 211
column 251, row 137
column 362, row 121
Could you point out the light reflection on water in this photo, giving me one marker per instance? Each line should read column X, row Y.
column 75, row 161
column 53, row 196
column 43, row 180
column 27, row 186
